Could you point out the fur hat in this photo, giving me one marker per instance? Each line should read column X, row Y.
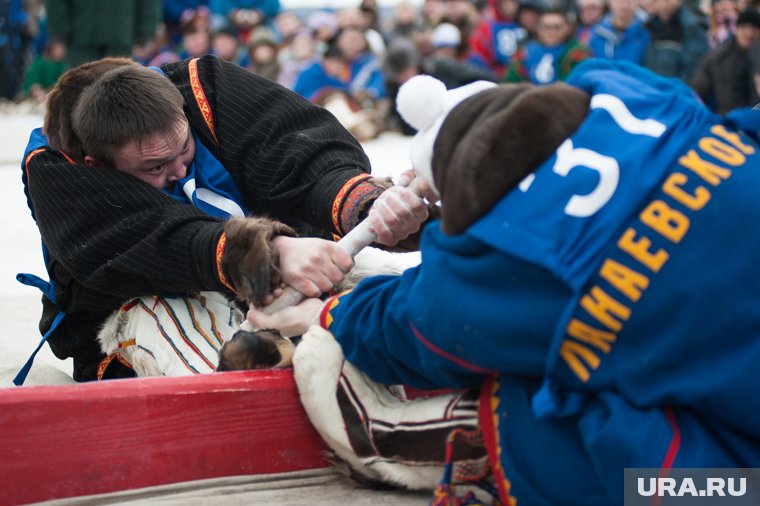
column 477, row 142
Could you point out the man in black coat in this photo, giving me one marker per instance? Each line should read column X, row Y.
column 143, row 229
column 725, row 79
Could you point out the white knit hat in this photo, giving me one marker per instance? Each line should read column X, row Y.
column 423, row 102
column 446, row 35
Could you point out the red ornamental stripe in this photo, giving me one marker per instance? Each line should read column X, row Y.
column 220, row 245
column 489, row 427
column 445, row 354
column 672, row 452
column 200, row 97
column 675, row 443
column 104, row 365
column 325, row 318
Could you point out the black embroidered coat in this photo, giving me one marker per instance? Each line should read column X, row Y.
column 112, row 237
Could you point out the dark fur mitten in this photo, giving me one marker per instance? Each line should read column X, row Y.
column 250, row 260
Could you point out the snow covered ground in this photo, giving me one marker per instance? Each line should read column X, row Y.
column 20, row 252
column 20, row 248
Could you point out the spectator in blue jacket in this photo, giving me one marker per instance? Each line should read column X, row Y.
column 244, row 15
column 620, row 35
column 323, row 75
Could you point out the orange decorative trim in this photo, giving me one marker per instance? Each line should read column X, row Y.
column 107, row 361
column 325, row 318
column 123, row 361
column 489, row 426
column 200, row 97
column 219, row 254
column 341, row 196
column 104, row 365
column 128, row 343
column 31, row 155
column 67, row 157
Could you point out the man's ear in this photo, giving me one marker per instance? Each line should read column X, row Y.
column 91, row 162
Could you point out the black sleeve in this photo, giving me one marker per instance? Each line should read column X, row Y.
column 701, row 81
column 290, row 158
column 111, row 237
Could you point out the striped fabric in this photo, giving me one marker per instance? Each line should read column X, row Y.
column 112, row 238
column 171, row 336
column 382, row 437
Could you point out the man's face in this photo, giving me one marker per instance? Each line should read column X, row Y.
column 590, row 11
column 352, row 43
column 159, row 160
column 508, row 8
column 553, row 29
column 623, row 10
column 746, row 34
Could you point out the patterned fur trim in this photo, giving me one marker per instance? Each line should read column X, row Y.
column 107, row 361
column 355, row 205
column 345, row 194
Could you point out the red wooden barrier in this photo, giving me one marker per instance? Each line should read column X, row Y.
column 64, row 441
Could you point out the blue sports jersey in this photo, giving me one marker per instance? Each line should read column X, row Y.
column 607, row 305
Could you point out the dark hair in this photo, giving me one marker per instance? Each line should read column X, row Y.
column 749, row 16
column 333, row 50
column 127, row 104
column 402, row 55
column 63, row 98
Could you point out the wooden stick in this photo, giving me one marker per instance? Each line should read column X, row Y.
column 352, row 243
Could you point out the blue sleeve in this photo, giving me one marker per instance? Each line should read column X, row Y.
column 588, row 451
column 376, row 85
column 312, row 80
column 665, row 437
column 466, row 311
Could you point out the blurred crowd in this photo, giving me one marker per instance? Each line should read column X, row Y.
column 353, row 60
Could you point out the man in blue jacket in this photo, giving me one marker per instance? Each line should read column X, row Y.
column 620, row 35
column 599, row 286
